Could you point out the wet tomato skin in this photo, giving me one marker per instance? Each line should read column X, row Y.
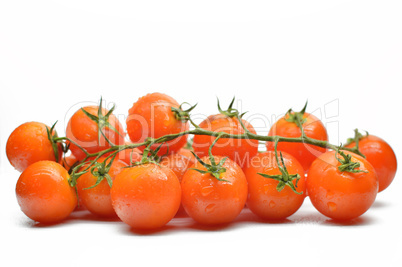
column 210, row 201
column 146, row 196
column 380, row 154
column 264, row 199
column 97, row 199
column 44, row 194
column 238, row 150
column 341, row 195
column 304, row 153
column 151, row 116
column 84, row 131
column 28, row 144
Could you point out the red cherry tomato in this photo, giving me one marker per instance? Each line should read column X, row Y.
column 341, row 195
column 28, row 144
column 97, row 199
column 239, row 150
column 380, row 154
column 151, row 116
column 304, row 153
column 84, row 131
column 44, row 194
column 146, row 196
column 264, row 199
column 210, row 201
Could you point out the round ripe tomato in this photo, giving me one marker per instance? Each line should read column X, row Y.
column 151, row 116
column 341, row 195
column 146, row 196
column 210, row 201
column 97, row 199
column 29, row 143
column 44, row 194
column 68, row 162
column 239, row 150
column 380, row 154
column 263, row 198
column 84, row 131
column 304, row 153
column 129, row 154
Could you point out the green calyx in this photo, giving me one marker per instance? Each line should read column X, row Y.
column 347, row 165
column 183, row 114
column 230, row 112
column 214, row 168
column 149, row 156
column 102, row 121
column 358, row 136
column 296, row 117
column 284, row 179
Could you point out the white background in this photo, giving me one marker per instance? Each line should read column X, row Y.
column 345, row 57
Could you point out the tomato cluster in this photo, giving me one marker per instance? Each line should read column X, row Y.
column 212, row 177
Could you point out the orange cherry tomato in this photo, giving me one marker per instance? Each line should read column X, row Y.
column 210, row 201
column 97, row 199
column 68, row 162
column 341, row 195
column 151, row 116
column 304, row 153
column 264, row 199
column 146, row 196
column 44, row 194
column 380, row 154
column 84, row 131
column 239, row 150
column 28, row 144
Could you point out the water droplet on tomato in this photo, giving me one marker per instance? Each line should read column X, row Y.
column 210, row 208
column 331, row 206
column 205, row 191
column 272, row 204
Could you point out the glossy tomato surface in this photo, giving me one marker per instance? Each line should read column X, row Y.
column 380, row 154
column 28, row 144
column 84, row 131
column 146, row 196
column 264, row 199
column 304, row 153
column 97, row 199
column 44, row 194
column 238, row 150
column 210, row 201
column 151, row 116
column 341, row 195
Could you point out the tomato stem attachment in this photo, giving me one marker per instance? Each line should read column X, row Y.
column 356, row 139
column 347, row 165
column 284, row 179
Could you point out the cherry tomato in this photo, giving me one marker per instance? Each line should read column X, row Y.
column 264, row 199
column 239, row 150
column 179, row 163
column 84, row 131
column 210, row 201
column 29, row 143
column 97, row 199
column 126, row 155
column 304, row 153
column 44, row 194
column 380, row 154
column 146, row 196
column 151, row 116
column 341, row 195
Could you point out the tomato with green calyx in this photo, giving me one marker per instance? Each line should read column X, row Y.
column 274, row 199
column 30, row 143
column 380, row 154
column 342, row 185
column 210, row 199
